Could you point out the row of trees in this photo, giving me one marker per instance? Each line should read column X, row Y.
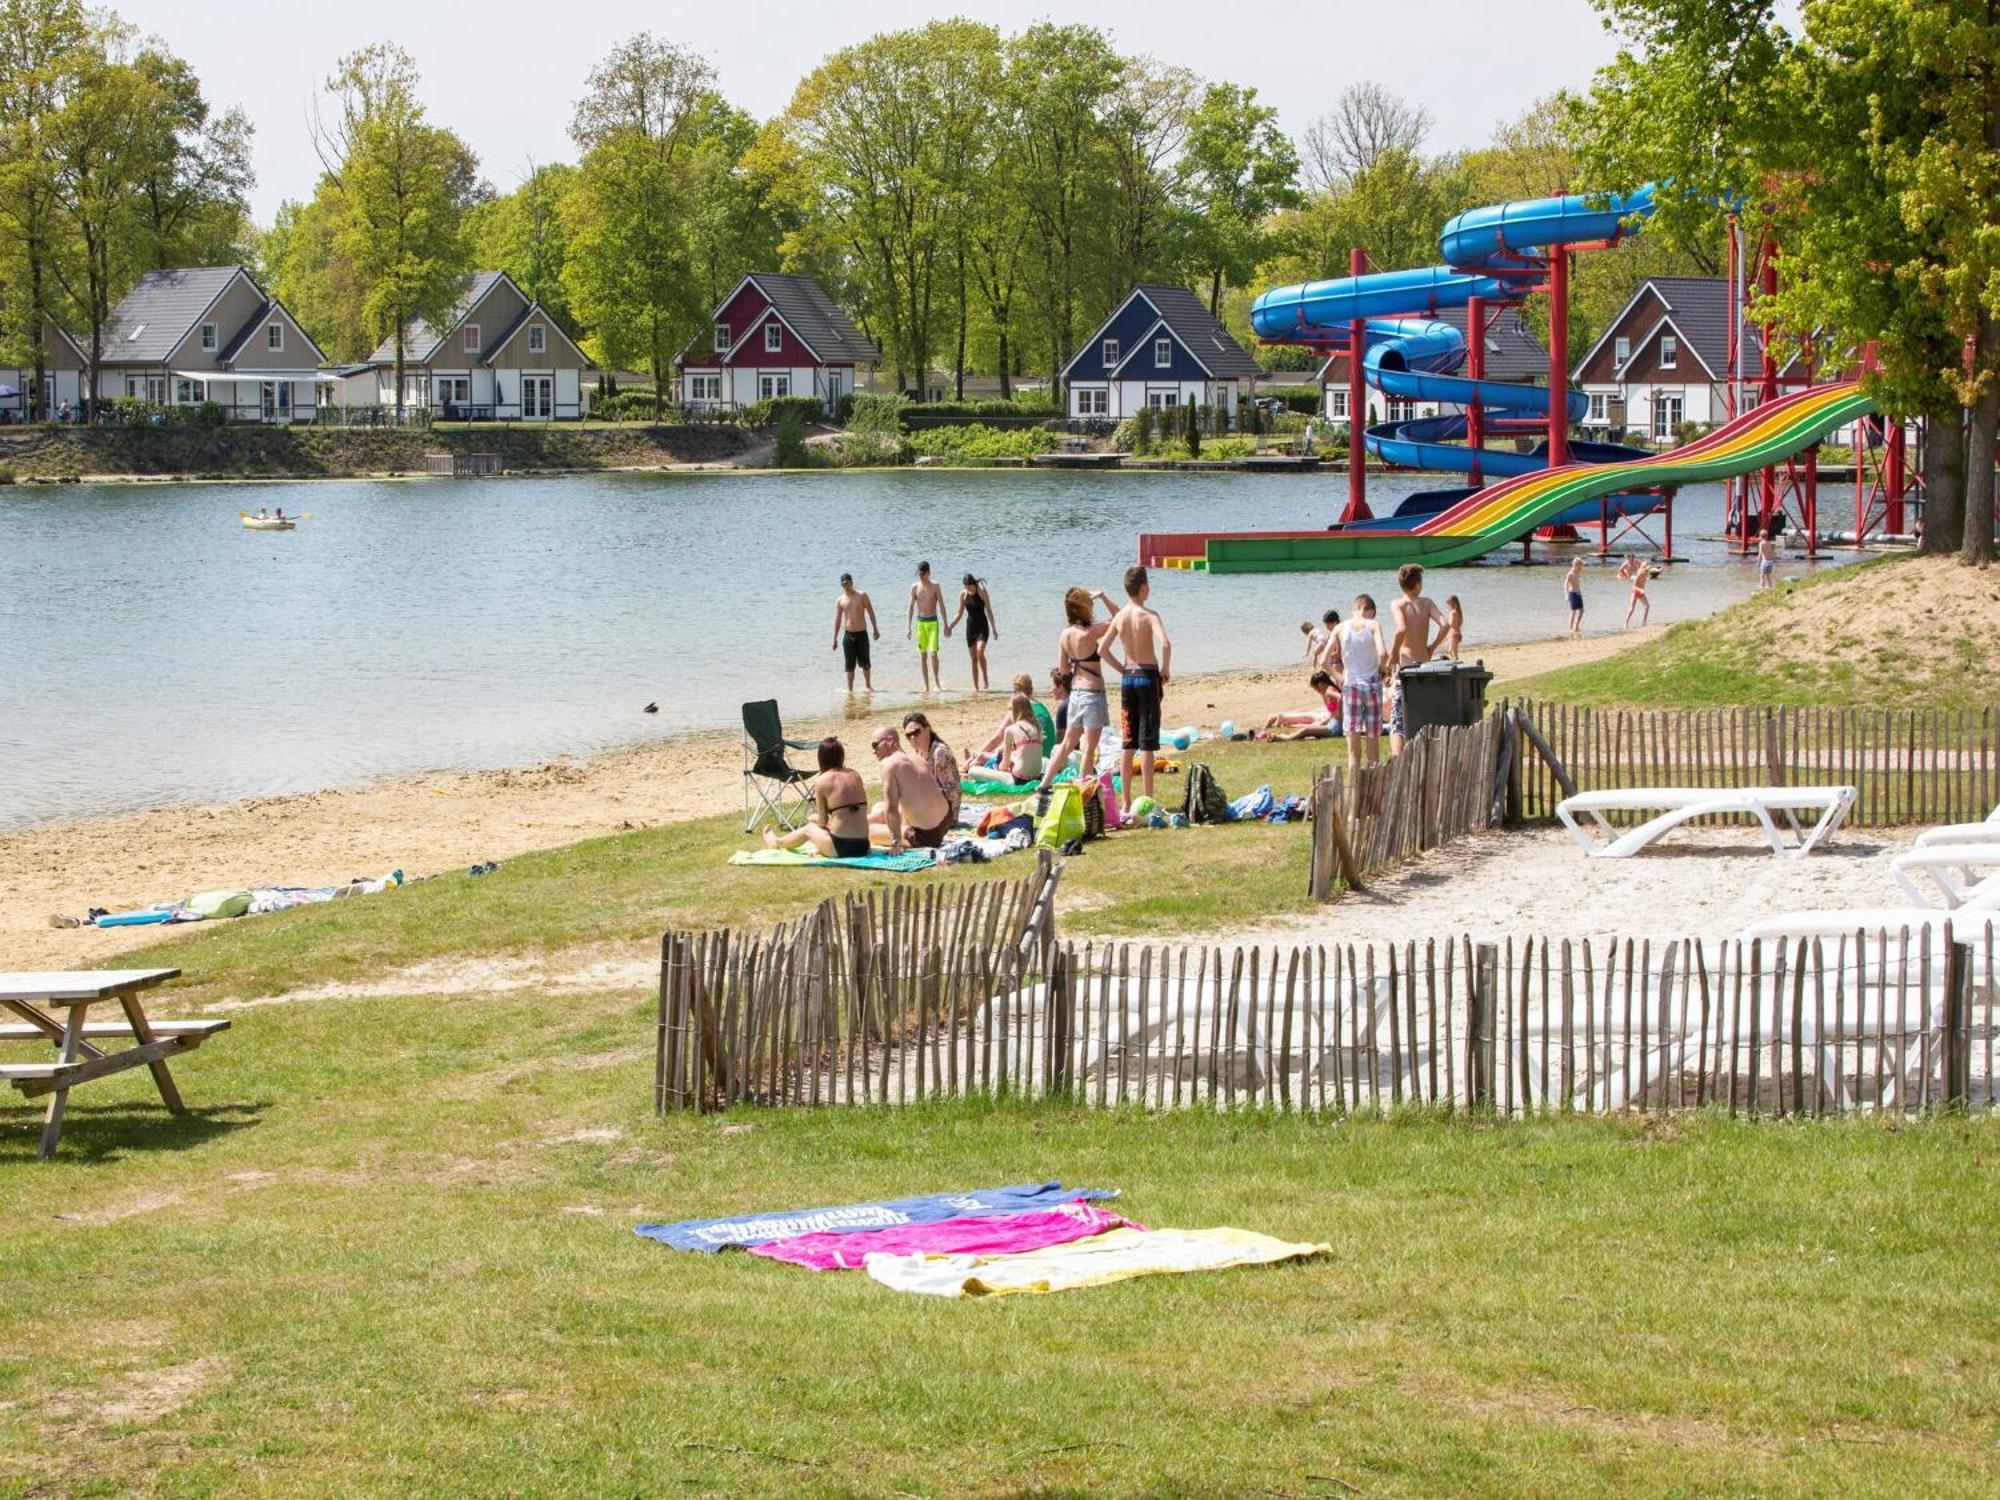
column 112, row 163
column 1867, row 143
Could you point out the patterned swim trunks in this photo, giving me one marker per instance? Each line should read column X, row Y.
column 1361, row 707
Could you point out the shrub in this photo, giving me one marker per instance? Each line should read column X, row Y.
column 770, row 413
column 1142, row 429
column 876, row 412
column 977, row 441
column 133, row 411
column 634, row 403
column 860, row 450
column 6, row 476
column 1304, row 399
column 210, row 414
column 790, row 432
column 1191, row 432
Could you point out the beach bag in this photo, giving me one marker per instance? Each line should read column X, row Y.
column 1203, row 801
column 1064, row 821
column 1096, row 793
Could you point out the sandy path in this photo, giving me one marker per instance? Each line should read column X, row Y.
column 433, row 823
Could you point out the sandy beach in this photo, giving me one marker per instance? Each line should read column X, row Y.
column 427, row 824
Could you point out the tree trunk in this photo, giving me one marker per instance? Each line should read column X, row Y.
column 1977, row 548
column 38, row 408
column 1215, row 293
column 1944, row 479
column 399, row 371
column 1006, row 367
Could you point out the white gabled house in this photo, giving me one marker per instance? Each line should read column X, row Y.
column 497, row 356
column 1159, row 349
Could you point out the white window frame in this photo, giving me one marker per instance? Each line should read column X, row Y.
column 538, row 410
column 1399, row 409
column 1093, row 403
column 190, row 392
column 274, row 337
column 774, row 338
column 1621, row 352
column 1600, row 409
column 469, row 339
column 275, row 400
column 721, row 338
column 1111, row 352
column 538, row 338
column 772, row 386
column 1163, row 400
column 1670, row 352
column 154, row 388
column 704, row 387
column 1663, row 430
column 1163, row 354
column 1336, row 408
column 447, row 387
column 208, row 338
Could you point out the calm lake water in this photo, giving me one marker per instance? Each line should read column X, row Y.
column 153, row 651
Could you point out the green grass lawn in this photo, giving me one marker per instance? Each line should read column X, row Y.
column 392, row 1254
column 1787, row 647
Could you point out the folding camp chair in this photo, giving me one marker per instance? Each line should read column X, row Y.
column 772, row 787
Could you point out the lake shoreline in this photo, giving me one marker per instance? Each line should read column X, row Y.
column 427, row 824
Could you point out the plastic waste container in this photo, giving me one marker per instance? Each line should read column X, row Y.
column 1448, row 694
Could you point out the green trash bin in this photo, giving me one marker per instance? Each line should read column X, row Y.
column 1447, row 694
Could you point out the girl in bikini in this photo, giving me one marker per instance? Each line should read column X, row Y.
column 839, row 826
column 1080, row 653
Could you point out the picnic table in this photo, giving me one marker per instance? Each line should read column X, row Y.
column 79, row 1058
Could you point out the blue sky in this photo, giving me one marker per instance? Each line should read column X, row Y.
column 504, row 73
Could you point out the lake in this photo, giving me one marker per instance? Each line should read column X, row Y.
column 156, row 651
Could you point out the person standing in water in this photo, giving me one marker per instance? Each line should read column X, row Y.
column 975, row 607
column 1767, row 562
column 1573, row 589
column 924, row 619
column 853, row 622
column 1144, row 662
column 1454, row 633
column 1639, row 600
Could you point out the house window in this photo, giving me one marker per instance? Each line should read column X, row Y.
column 454, row 390
column 1621, row 350
column 538, row 397
column 1093, row 403
column 774, row 338
column 1111, row 352
column 1163, row 353
column 704, row 387
column 1399, row 410
column 274, row 336
column 190, row 392
column 1600, row 413
column 721, row 338
column 1163, row 400
column 1670, row 351
column 471, row 338
column 208, row 338
column 156, row 389
column 538, row 338
column 770, row 386
column 1336, row 403
column 1666, row 417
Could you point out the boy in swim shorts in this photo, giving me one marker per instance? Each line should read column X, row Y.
column 853, row 619
column 1141, row 638
column 924, row 619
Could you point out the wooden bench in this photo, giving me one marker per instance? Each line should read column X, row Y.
column 79, row 1059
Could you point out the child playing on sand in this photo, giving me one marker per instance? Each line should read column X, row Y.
column 1454, row 625
column 1573, row 587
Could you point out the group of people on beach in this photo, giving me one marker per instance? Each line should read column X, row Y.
column 1357, row 666
column 855, row 625
column 1636, row 571
column 919, row 803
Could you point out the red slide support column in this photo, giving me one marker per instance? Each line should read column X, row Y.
column 1767, row 388
column 1357, row 406
column 1475, row 367
column 1894, row 481
column 1559, row 356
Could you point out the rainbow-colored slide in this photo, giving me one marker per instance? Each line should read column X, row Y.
column 1501, row 513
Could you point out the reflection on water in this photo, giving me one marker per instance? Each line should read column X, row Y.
column 153, row 650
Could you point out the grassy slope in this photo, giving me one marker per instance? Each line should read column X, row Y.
column 1890, row 633
column 392, row 1254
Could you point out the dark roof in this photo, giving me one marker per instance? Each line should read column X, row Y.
column 1187, row 317
column 816, row 318
column 228, row 351
column 1699, row 307
column 150, row 320
column 420, row 340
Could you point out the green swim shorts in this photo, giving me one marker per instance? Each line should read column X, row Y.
column 927, row 634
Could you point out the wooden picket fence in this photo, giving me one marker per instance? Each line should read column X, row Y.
column 1910, row 766
column 855, row 1007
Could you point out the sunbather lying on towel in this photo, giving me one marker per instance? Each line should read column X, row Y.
column 1315, row 724
column 839, row 826
column 1018, row 743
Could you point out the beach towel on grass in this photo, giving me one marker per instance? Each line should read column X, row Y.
column 853, row 1218
column 1116, row 1255
column 899, row 864
column 977, row 783
column 992, row 1234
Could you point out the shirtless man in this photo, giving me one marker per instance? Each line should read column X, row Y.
column 1413, row 643
column 925, row 618
column 913, row 812
column 853, row 620
column 1137, row 646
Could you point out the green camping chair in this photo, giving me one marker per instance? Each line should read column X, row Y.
column 772, row 787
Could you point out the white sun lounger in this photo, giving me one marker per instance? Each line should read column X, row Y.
column 1987, row 832
column 1678, row 805
column 1960, row 873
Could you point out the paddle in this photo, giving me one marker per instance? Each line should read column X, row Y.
column 304, row 515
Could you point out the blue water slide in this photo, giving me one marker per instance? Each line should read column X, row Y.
column 1412, row 357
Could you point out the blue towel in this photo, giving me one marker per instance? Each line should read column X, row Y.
column 855, row 1218
column 798, row 859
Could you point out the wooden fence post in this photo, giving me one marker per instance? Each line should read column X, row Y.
column 1479, row 1026
column 1514, row 743
column 1062, row 1020
column 1956, row 1050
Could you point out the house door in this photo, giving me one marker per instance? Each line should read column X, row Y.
column 1666, row 417
column 277, row 403
column 538, row 397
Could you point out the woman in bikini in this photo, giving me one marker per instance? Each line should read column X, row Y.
column 1079, row 652
column 975, row 607
column 839, row 826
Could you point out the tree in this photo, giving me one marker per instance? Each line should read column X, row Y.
column 322, row 288
column 1147, row 120
column 1240, row 169
column 629, row 212
column 402, row 189
column 37, row 40
column 192, row 208
column 1366, row 122
column 525, row 234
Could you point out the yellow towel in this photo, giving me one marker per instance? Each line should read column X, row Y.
column 1117, row 1255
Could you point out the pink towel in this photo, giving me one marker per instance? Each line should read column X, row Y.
column 993, row 1234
